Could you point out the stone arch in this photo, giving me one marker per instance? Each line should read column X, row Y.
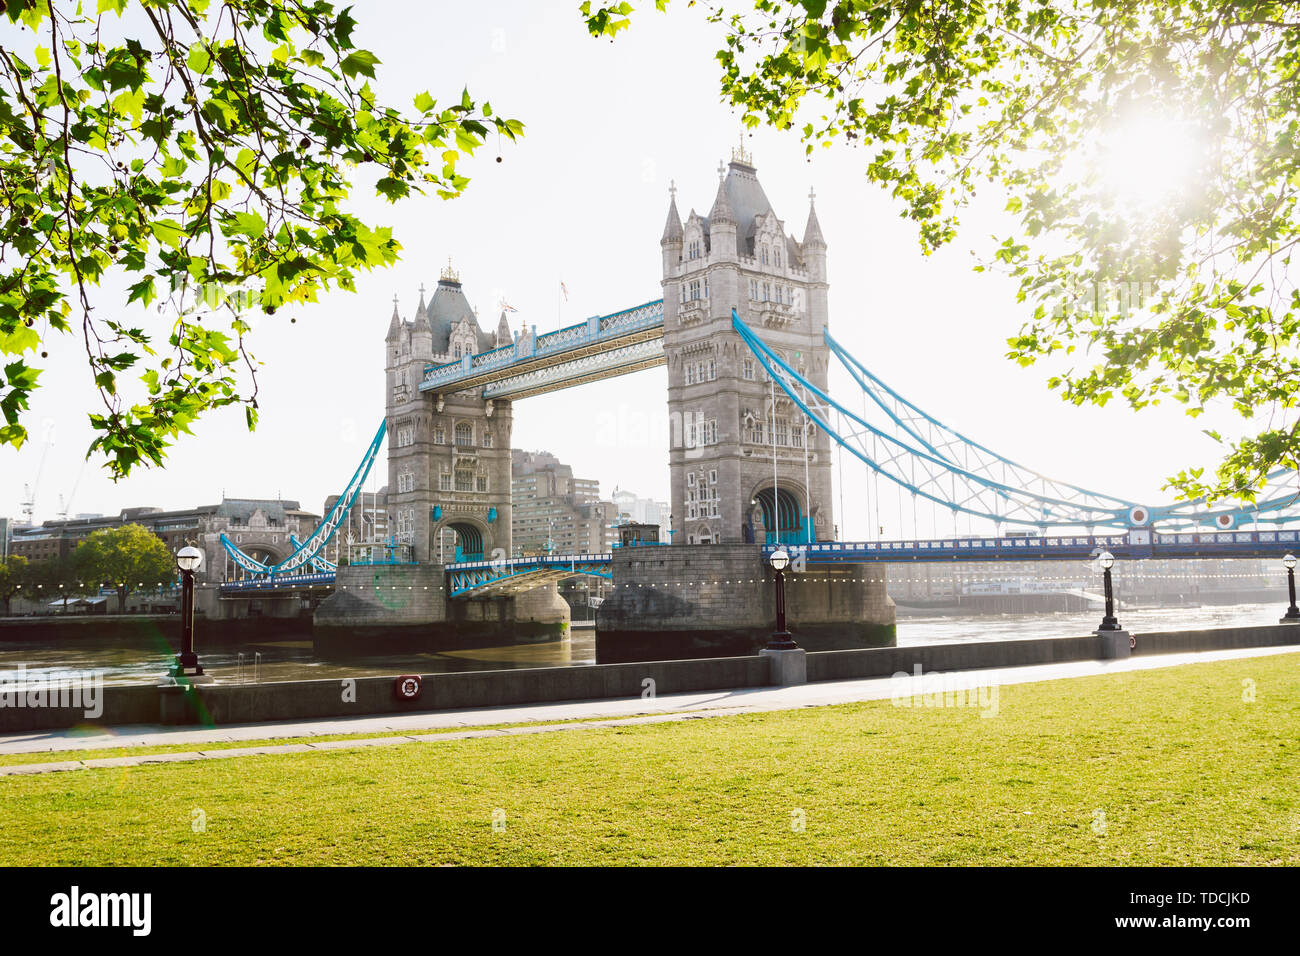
column 791, row 525
column 266, row 553
column 460, row 538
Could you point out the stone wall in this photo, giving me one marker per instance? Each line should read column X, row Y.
column 217, row 705
column 404, row 608
column 718, row 600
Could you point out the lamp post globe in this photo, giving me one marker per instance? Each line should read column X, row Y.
column 1292, row 615
column 188, row 560
column 1108, row 621
column 781, row 639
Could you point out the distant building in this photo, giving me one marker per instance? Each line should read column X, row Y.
column 641, row 510
column 261, row 527
column 554, row 512
column 366, row 523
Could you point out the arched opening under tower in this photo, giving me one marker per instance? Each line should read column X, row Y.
column 788, row 526
column 460, row 542
column 262, row 553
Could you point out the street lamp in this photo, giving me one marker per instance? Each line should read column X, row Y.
column 188, row 560
column 1292, row 615
column 781, row 640
column 1108, row 622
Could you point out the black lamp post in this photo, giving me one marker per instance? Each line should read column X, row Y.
column 781, row 639
column 1292, row 613
column 1108, row 622
column 188, row 560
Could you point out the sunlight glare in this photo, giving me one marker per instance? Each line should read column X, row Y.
column 1148, row 160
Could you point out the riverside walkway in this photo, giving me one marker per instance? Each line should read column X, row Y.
column 75, row 749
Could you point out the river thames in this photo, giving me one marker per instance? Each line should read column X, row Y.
column 291, row 657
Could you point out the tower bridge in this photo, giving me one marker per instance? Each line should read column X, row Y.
column 743, row 329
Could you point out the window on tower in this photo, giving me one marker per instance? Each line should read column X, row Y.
column 465, row 435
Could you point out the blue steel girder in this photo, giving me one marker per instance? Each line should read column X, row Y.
column 307, row 552
column 318, row 564
column 1134, row 544
column 934, row 462
column 630, row 340
column 491, row 578
column 292, row 582
column 1280, row 491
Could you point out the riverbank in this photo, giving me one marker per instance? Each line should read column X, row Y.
column 220, row 704
column 1144, row 765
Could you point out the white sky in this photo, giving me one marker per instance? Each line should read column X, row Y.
column 583, row 197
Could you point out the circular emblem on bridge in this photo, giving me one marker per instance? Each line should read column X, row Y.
column 1225, row 522
column 1139, row 516
column 408, row 687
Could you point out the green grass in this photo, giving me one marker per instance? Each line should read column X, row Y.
column 1185, row 770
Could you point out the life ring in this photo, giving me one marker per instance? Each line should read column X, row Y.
column 1132, row 642
column 408, row 687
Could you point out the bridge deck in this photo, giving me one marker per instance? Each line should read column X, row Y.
column 1135, row 545
column 493, row 578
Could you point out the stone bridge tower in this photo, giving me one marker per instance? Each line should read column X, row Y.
column 448, row 455
column 729, row 483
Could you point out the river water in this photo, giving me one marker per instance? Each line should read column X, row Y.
column 291, row 657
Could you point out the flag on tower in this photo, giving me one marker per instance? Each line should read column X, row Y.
column 565, row 290
column 506, row 306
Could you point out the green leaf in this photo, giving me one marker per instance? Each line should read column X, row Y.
column 359, row 62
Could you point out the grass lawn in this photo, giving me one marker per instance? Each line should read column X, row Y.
column 1188, row 765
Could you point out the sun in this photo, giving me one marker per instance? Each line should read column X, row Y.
column 1147, row 160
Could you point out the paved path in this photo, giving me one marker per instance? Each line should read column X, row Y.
column 610, row 713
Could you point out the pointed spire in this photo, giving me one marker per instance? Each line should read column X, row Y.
column 673, row 227
column 721, row 211
column 422, row 314
column 503, row 330
column 395, row 326
column 812, row 232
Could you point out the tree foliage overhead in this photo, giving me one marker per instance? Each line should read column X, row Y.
column 1173, row 283
column 198, row 153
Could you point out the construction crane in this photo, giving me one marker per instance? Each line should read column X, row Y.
column 65, row 504
column 28, row 504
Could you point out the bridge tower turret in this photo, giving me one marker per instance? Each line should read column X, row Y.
column 448, row 455
column 729, row 484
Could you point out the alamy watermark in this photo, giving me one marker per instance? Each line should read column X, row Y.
column 1109, row 298
column 936, row 689
column 64, row 690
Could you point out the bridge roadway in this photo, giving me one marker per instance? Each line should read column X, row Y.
column 491, row 578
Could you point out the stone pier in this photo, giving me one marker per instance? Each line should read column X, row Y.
column 719, row 600
column 404, row 608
